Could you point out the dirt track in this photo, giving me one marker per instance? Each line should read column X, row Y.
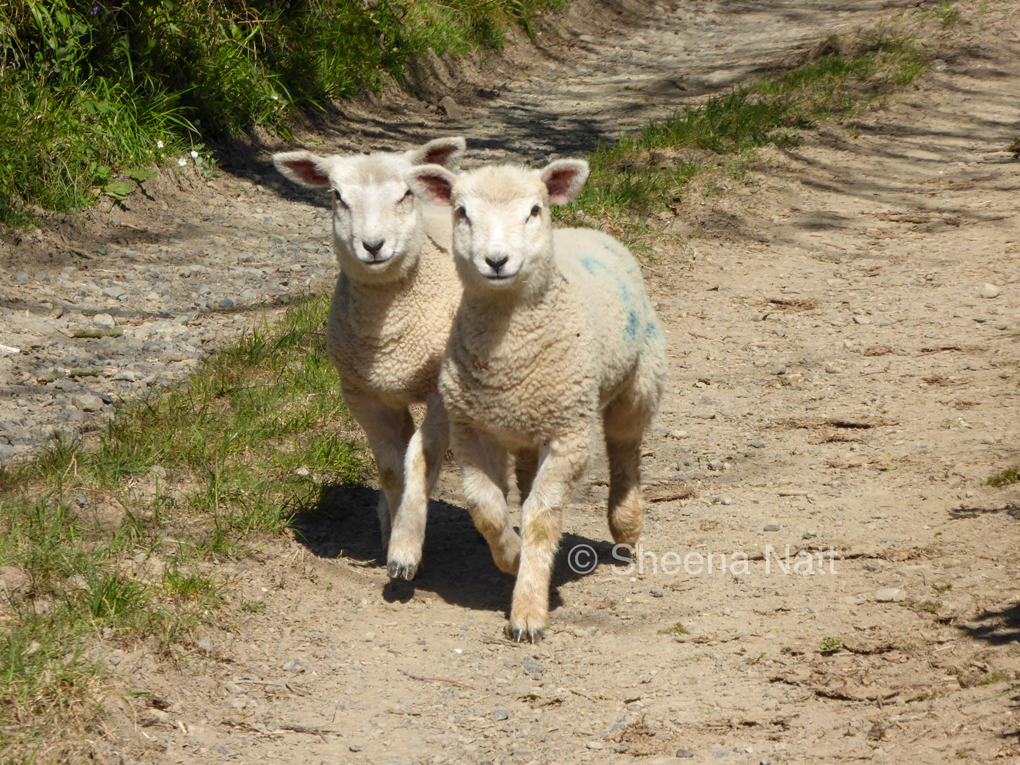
column 839, row 386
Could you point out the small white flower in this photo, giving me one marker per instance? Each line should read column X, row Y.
column 275, row 97
column 194, row 154
column 182, row 162
column 159, row 144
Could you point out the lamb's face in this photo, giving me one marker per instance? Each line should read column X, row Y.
column 377, row 228
column 376, row 219
column 501, row 228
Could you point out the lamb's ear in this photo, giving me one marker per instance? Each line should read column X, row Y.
column 445, row 152
column 564, row 179
column 303, row 168
column 431, row 183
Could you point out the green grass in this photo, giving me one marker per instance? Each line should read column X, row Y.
column 122, row 539
column 1005, row 477
column 93, row 91
column 653, row 170
column 831, row 645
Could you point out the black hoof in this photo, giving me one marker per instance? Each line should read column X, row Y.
column 401, row 570
column 520, row 635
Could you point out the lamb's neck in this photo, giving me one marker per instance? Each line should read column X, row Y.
column 372, row 306
column 494, row 316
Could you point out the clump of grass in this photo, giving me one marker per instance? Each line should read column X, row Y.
column 1005, row 477
column 227, row 459
column 651, row 170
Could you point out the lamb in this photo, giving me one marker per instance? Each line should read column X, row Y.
column 554, row 331
column 389, row 320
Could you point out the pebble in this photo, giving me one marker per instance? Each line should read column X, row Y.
column 772, row 525
column 890, row 595
column 990, row 290
column 500, row 714
column 685, row 754
column 174, row 301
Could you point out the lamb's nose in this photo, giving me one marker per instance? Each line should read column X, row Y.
column 372, row 248
column 497, row 263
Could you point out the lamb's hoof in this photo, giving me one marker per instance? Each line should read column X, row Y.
column 398, row 570
column 518, row 634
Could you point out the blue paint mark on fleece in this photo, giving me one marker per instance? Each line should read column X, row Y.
column 594, row 265
column 632, row 325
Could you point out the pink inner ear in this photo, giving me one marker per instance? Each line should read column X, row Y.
column 438, row 189
column 308, row 171
column 559, row 184
column 439, row 155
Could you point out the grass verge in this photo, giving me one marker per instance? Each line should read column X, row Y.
column 92, row 89
column 129, row 540
column 651, row 172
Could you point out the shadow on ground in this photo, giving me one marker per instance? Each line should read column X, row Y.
column 457, row 565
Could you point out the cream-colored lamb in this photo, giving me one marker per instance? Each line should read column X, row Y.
column 554, row 331
column 389, row 320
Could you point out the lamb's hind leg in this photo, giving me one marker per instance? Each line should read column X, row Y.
column 422, row 463
column 624, row 425
column 388, row 430
column 483, row 466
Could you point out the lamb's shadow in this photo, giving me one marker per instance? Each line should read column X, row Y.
column 456, row 565
column 996, row 627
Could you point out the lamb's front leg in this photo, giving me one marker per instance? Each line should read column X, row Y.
column 422, row 462
column 560, row 465
column 388, row 431
column 483, row 465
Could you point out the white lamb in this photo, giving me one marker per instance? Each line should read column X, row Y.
column 543, row 344
column 389, row 319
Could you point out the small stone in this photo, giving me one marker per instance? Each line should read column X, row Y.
column 453, row 110
column 116, row 657
column 205, row 644
column 88, row 402
column 685, row 754
column 810, row 534
column 114, row 292
column 77, row 582
column 500, row 714
column 678, row 434
column 595, row 745
column 104, row 321
column 657, row 593
column 533, row 667
column 354, row 748
column 203, row 289
column 234, row 688
column 862, row 319
column 938, row 65
column 890, row 595
column 990, row 290
column 756, row 444
column 772, row 525
column 725, row 499
column 299, row 664
column 833, row 369
column 704, row 413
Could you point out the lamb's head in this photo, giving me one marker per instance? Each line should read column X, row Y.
column 502, row 229
column 377, row 230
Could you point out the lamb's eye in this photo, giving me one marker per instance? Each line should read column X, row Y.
column 461, row 214
column 409, row 195
column 536, row 211
column 339, row 199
